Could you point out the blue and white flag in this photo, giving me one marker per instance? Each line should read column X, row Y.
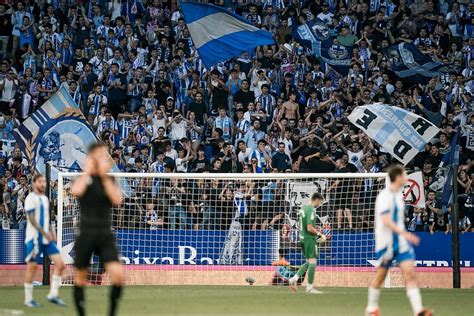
column 451, row 158
column 401, row 133
column 219, row 34
column 56, row 133
column 316, row 36
column 232, row 250
column 405, row 60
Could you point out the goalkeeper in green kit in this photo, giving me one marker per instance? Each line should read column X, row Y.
column 309, row 236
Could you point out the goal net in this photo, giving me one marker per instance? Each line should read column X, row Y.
column 231, row 229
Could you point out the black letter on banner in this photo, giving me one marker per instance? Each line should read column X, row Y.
column 420, row 126
column 365, row 120
column 401, row 149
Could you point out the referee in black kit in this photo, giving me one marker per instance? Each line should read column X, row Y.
column 97, row 192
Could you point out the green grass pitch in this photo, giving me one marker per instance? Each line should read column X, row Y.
column 249, row 300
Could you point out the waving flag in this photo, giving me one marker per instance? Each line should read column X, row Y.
column 56, row 133
column 219, row 34
column 450, row 158
column 403, row 134
column 316, row 36
column 406, row 61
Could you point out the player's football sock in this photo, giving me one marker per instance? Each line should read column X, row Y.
column 302, row 270
column 114, row 298
column 415, row 300
column 79, row 300
column 28, row 292
column 55, row 284
column 311, row 268
column 373, row 302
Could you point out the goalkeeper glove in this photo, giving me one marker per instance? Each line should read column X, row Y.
column 322, row 238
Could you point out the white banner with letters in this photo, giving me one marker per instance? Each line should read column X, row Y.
column 470, row 139
column 413, row 191
column 401, row 133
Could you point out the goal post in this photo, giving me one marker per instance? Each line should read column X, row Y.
column 231, row 229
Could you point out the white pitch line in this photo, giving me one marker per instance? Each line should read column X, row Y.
column 11, row 312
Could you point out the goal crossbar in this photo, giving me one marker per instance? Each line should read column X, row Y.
column 278, row 176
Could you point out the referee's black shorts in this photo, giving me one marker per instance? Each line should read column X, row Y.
column 100, row 242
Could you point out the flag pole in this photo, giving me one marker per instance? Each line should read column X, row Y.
column 455, row 230
column 46, row 261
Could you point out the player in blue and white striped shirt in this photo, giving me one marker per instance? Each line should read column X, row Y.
column 40, row 240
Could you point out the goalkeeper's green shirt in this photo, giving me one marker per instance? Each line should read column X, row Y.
column 306, row 217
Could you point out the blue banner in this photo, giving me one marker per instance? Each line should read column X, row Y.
column 178, row 247
column 356, row 249
column 56, row 133
column 259, row 248
column 12, row 246
column 316, row 36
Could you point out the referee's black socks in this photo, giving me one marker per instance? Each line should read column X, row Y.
column 79, row 299
column 115, row 293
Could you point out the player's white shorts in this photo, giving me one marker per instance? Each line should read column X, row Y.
column 33, row 252
column 386, row 257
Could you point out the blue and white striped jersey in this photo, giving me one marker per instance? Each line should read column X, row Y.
column 38, row 206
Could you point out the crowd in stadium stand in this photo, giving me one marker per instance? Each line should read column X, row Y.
column 132, row 68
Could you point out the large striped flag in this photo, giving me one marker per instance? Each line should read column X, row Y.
column 407, row 61
column 219, row 34
column 56, row 133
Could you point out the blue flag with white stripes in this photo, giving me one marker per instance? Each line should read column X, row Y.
column 406, row 61
column 451, row 158
column 56, row 133
column 316, row 36
column 219, row 34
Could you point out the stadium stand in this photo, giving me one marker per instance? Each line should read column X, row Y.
column 133, row 70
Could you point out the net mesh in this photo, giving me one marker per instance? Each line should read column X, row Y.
column 214, row 229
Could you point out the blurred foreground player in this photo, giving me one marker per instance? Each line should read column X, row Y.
column 309, row 236
column 393, row 243
column 97, row 192
column 40, row 238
